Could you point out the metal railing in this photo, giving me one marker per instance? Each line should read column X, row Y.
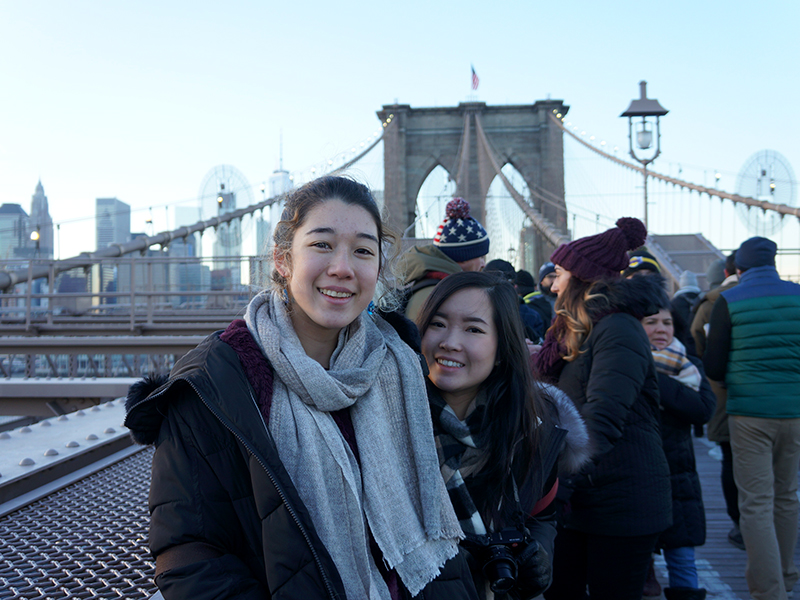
column 143, row 295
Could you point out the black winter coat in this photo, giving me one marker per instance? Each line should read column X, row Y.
column 219, row 486
column 683, row 408
column 625, row 489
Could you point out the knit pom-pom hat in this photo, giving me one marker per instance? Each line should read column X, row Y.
column 460, row 236
column 602, row 255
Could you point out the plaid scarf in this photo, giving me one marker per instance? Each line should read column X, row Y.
column 672, row 361
column 459, row 456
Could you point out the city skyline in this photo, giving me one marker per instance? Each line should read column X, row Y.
column 138, row 101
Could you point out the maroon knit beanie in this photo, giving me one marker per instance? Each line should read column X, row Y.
column 604, row 254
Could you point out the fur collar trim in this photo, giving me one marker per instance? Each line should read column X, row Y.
column 578, row 448
column 144, row 426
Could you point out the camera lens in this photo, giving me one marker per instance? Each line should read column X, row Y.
column 500, row 569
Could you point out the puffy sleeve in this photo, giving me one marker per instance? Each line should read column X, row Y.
column 718, row 345
column 621, row 362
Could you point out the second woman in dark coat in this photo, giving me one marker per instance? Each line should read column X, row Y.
column 500, row 436
column 597, row 352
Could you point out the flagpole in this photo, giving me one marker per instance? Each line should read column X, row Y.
column 475, row 81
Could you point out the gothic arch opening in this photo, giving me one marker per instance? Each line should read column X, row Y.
column 505, row 219
column 434, row 194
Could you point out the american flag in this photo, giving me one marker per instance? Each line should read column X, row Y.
column 475, row 79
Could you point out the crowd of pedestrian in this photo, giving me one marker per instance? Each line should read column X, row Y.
column 434, row 425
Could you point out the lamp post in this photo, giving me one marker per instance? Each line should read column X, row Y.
column 35, row 237
column 646, row 108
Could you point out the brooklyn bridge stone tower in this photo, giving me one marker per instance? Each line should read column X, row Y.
column 417, row 140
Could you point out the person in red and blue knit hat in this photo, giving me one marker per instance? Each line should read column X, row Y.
column 460, row 244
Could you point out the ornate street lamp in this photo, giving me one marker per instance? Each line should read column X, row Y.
column 646, row 108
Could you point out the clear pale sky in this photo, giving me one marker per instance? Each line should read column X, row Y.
column 139, row 100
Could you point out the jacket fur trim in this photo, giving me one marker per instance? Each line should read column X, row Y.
column 578, row 447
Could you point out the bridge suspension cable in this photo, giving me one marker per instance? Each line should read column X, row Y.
column 782, row 209
column 545, row 227
column 10, row 278
column 354, row 160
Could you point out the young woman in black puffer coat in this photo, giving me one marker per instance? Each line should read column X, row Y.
column 294, row 452
column 597, row 352
column 686, row 400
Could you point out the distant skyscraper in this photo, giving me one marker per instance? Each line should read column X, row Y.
column 14, row 231
column 40, row 219
column 113, row 226
column 263, row 230
column 228, row 239
column 113, row 222
column 279, row 183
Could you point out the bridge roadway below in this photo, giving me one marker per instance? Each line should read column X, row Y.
column 84, row 534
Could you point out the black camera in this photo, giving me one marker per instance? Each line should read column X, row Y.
column 498, row 552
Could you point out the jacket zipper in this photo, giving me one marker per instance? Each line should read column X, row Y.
column 269, row 473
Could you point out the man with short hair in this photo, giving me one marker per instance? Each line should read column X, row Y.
column 531, row 320
column 533, row 299
column 547, row 275
column 754, row 346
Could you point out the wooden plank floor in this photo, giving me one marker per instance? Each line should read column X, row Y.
column 720, row 565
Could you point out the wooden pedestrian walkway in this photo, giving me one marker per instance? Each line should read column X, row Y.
column 720, row 565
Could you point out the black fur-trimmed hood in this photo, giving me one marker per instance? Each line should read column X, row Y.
column 145, row 405
column 142, row 420
column 639, row 296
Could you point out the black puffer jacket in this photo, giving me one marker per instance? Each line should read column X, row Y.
column 682, row 408
column 625, row 489
column 221, row 494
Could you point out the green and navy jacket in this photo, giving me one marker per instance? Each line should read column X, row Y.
column 754, row 345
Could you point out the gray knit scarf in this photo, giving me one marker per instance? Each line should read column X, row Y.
column 397, row 493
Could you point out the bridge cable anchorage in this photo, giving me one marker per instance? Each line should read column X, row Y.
column 782, row 209
column 10, row 278
column 545, row 227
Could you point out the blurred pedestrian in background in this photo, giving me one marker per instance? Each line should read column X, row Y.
column 682, row 303
column 531, row 320
column 721, row 276
column 537, row 300
column 754, row 346
column 686, row 400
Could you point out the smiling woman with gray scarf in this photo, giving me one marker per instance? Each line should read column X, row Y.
column 294, row 451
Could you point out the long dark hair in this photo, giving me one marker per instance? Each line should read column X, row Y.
column 509, row 433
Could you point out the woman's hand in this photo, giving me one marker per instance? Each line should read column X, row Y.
column 533, row 349
column 535, row 571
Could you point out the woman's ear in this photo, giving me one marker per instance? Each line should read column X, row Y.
column 281, row 262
